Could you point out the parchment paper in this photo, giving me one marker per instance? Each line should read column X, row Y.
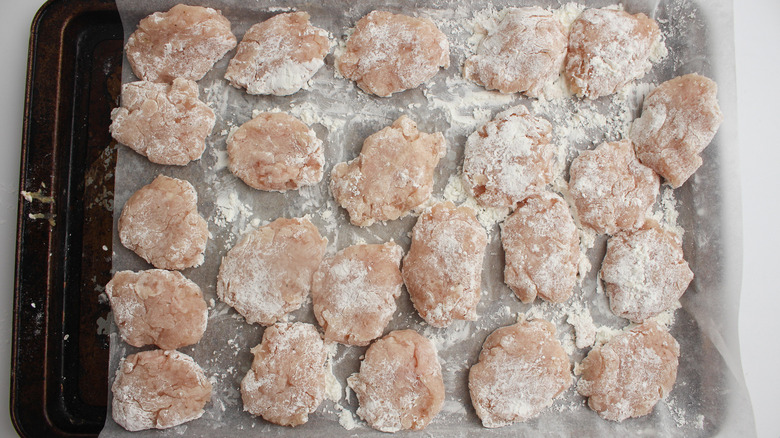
column 709, row 397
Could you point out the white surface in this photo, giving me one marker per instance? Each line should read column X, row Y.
column 758, row 96
column 759, row 115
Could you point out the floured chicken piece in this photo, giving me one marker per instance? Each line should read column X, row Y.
column 392, row 52
column 268, row 273
column 354, row 292
column 609, row 48
column 288, row 376
column 158, row 389
column 278, row 56
column 184, row 42
column 400, row 385
column 276, row 151
column 542, row 249
column 679, row 119
column 157, row 307
column 392, row 175
column 166, row 123
column 523, row 52
column 612, row 190
column 443, row 269
column 627, row 376
column 160, row 223
column 645, row 272
column 509, row 158
column 522, row 368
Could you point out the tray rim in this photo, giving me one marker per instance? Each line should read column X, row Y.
column 47, row 87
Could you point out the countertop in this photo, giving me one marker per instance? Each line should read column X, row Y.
column 757, row 64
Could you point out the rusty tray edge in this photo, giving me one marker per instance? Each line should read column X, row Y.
column 48, row 380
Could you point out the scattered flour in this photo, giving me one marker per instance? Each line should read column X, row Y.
column 666, row 319
column 230, row 209
column 678, row 412
column 310, row 114
column 332, row 386
column 456, row 193
column 346, row 419
column 37, row 196
column 234, row 128
column 584, row 329
column 666, row 212
column 604, row 334
column 452, row 336
column 567, row 13
column 583, row 267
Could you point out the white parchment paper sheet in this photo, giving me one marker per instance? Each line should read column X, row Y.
column 709, row 397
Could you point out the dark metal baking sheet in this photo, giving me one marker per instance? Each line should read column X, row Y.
column 59, row 356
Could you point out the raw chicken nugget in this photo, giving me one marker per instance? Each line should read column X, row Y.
column 400, row 385
column 158, row 389
column 541, row 246
column 522, row 53
column 443, row 269
column 612, row 190
column 522, row 368
column 609, row 48
column 354, row 292
column 679, row 119
column 279, row 55
column 629, row 374
column 645, row 272
column 184, row 42
column 166, row 123
column 157, row 307
column 393, row 52
column 392, row 175
column 509, row 158
column 160, row 223
column 287, row 379
column 275, row 151
column 267, row 274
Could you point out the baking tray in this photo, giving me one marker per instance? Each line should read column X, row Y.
column 59, row 352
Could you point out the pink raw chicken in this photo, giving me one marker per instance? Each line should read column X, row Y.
column 166, row 123
column 276, row 151
column 523, row 53
column 267, row 274
column 287, row 380
column 389, row 52
column 509, row 158
column 609, row 48
column 184, row 42
column 542, row 249
column 443, row 269
column 645, row 272
column 400, row 385
column 627, row 376
column 157, row 307
column 279, row 55
column 392, row 175
column 158, row 389
column 612, row 190
column 160, row 223
column 679, row 119
column 354, row 292
column 522, row 368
